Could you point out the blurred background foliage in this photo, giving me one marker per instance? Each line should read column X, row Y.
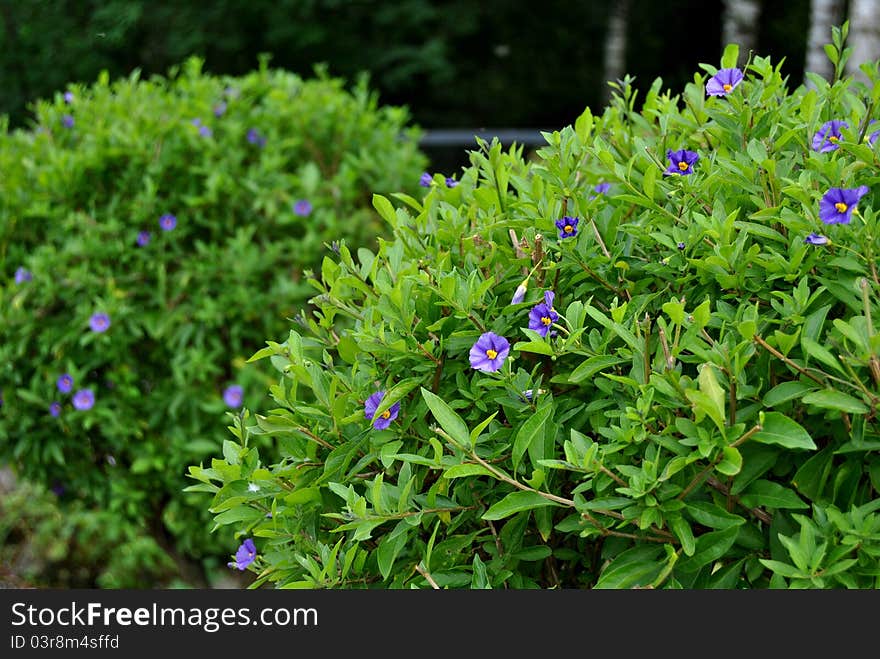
column 454, row 63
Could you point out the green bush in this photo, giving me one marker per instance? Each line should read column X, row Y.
column 183, row 215
column 695, row 406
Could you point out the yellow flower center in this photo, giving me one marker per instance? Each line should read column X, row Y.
column 568, row 228
column 841, row 207
column 386, row 414
column 833, row 138
column 546, row 320
column 727, row 87
column 491, row 354
column 682, row 165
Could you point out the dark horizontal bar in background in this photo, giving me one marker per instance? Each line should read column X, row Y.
column 467, row 136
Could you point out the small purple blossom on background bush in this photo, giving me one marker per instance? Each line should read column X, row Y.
column 451, row 182
column 723, row 82
column 543, row 315
column 568, row 226
column 55, row 408
column 68, row 97
column 383, row 420
column 68, row 121
column 600, row 188
column 827, row 137
column 681, row 162
column 425, row 180
column 220, row 109
column 205, row 131
column 520, row 293
column 870, row 138
column 64, row 383
column 233, row 395
column 143, row 238
column 680, row 246
column 838, row 204
column 84, row 399
column 22, row 275
column 99, row 322
column 167, row 222
column 245, row 555
column 254, row 137
column 489, row 352
column 816, row 239
column 302, row 207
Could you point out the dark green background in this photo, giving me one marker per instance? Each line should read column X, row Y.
column 445, row 60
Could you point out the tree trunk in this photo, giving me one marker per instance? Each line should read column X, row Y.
column 615, row 46
column 864, row 35
column 824, row 14
column 739, row 26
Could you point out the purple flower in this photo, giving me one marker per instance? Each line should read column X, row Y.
column 99, row 322
column 245, row 555
column 67, row 120
column 167, row 222
column 837, row 205
column 543, row 315
column 451, row 182
column 55, row 408
column 383, row 420
column 84, row 399
column 302, row 207
column 681, row 162
column 680, row 246
column 220, row 109
column 57, row 488
column 723, row 82
column 205, row 131
column 233, row 395
column 870, row 138
column 254, row 137
column 568, row 226
column 143, row 238
column 64, row 383
column 22, row 275
column 600, row 188
column 816, row 239
column 520, row 293
column 425, row 180
column 196, row 122
column 489, row 352
column 827, row 138
column 68, row 97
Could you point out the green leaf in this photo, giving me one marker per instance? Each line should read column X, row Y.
column 530, row 430
column 475, row 433
column 821, row 353
column 637, row 566
column 830, row 399
column 461, row 471
column 588, row 368
column 516, row 502
column 779, row 429
column 769, row 494
column 730, row 56
column 539, row 347
column 786, row 391
column 732, row 462
column 448, row 418
column 710, row 547
column 385, row 208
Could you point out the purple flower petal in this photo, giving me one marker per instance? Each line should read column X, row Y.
column 724, row 82
column 489, row 352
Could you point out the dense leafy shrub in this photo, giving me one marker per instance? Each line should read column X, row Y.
column 154, row 233
column 685, row 397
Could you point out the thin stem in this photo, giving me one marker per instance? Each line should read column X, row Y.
column 773, row 351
